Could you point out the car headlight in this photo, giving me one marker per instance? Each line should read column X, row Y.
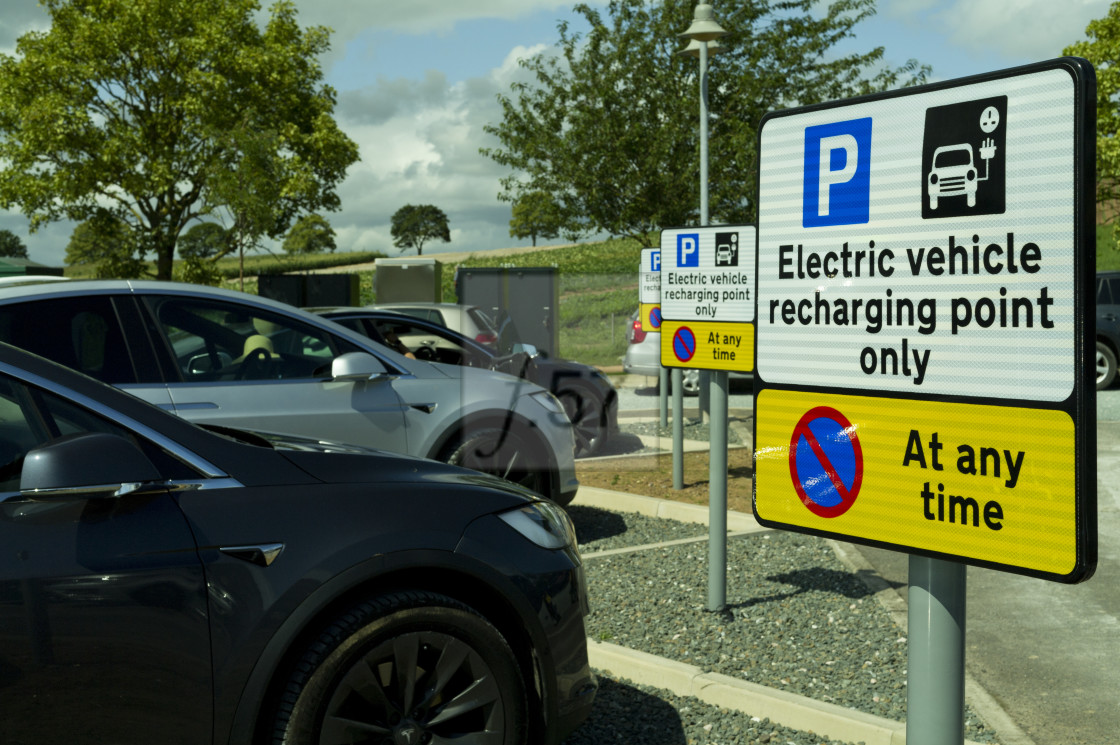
column 547, row 400
column 543, row 523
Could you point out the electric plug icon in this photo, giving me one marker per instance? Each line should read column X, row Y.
column 988, row 149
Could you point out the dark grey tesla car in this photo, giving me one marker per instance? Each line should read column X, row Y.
column 161, row 582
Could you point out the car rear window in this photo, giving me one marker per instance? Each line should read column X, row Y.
column 81, row 333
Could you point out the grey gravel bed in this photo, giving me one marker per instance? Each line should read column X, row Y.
column 631, row 714
column 797, row 618
column 693, row 429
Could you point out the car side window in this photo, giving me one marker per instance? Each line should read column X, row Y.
column 218, row 341
column 1108, row 294
column 80, row 333
column 31, row 418
column 422, row 342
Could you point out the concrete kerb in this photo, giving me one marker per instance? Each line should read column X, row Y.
column 782, row 707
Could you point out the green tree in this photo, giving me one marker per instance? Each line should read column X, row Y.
column 199, row 250
column 1102, row 49
column 311, row 234
column 11, row 246
column 154, row 110
column 536, row 215
column 609, row 127
column 106, row 242
column 204, row 240
column 413, row 226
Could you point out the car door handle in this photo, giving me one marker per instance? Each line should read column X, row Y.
column 426, row 408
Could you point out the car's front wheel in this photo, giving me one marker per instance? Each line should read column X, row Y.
column 502, row 452
column 1106, row 366
column 411, row 667
column 586, row 416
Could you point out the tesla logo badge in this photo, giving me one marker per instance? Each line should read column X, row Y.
column 964, row 158
column 837, row 174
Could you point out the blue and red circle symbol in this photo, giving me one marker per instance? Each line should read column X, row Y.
column 655, row 318
column 826, row 462
column 684, row 344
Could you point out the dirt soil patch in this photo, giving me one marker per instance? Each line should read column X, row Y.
column 652, row 476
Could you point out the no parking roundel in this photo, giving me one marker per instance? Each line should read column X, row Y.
column 655, row 317
column 826, row 462
column 684, row 344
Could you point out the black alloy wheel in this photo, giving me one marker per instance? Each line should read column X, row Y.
column 411, row 668
column 586, row 416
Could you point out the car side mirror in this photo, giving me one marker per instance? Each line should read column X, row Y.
column 528, row 349
column 356, row 366
column 84, row 465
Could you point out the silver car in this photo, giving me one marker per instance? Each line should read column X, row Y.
column 222, row 357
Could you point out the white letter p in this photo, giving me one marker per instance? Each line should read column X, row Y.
column 828, row 177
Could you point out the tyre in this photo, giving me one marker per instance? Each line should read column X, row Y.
column 412, row 667
column 503, row 453
column 586, row 416
column 1106, row 366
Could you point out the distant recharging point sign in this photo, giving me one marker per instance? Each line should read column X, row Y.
column 707, row 297
column 924, row 320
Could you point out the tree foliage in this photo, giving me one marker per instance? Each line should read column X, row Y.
column 312, row 234
column 11, row 247
column 204, row 240
column 536, row 215
column 1102, row 49
column 107, row 242
column 609, row 127
column 414, row 225
column 164, row 112
column 199, row 250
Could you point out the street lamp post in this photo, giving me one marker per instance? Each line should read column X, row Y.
column 703, row 31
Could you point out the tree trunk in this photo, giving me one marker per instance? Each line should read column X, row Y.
column 165, row 259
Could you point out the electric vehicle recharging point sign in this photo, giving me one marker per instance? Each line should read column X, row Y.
column 925, row 297
column 649, row 290
column 707, row 297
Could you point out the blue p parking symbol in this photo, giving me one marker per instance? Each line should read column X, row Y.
column 688, row 249
column 837, row 179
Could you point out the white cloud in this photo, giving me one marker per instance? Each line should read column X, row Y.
column 422, row 17
column 1025, row 30
column 419, row 143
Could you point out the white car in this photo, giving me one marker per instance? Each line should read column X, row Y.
column 223, row 357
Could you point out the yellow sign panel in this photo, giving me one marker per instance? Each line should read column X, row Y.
column 650, row 316
column 708, row 345
column 991, row 484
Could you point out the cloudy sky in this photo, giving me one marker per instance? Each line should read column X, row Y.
column 418, row 79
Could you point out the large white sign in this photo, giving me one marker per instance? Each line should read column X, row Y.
column 708, row 274
column 922, row 243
